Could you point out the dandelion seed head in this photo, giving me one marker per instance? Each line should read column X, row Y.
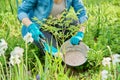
column 16, row 54
column 104, row 74
column 28, row 38
column 106, row 61
column 14, row 60
column 17, row 51
column 115, row 58
column 3, row 46
column 2, row 52
column 3, row 43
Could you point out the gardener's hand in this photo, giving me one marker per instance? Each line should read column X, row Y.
column 52, row 50
column 75, row 40
column 36, row 33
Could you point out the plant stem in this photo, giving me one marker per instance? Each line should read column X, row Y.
column 26, row 46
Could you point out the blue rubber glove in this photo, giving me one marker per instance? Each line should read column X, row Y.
column 75, row 40
column 50, row 49
column 36, row 33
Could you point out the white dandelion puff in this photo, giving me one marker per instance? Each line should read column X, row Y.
column 115, row 58
column 28, row 38
column 106, row 61
column 17, row 51
column 16, row 54
column 14, row 60
column 2, row 52
column 104, row 74
column 3, row 46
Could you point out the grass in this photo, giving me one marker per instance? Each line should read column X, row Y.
column 102, row 36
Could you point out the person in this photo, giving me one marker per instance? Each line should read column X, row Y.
column 42, row 9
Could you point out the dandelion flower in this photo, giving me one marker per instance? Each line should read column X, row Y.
column 104, row 74
column 28, row 38
column 3, row 46
column 106, row 61
column 115, row 58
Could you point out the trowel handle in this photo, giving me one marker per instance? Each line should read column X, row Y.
column 47, row 47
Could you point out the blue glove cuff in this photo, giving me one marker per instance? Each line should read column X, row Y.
column 35, row 27
column 50, row 49
column 31, row 26
column 80, row 34
column 79, row 38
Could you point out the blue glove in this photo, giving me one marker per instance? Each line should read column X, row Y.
column 50, row 49
column 36, row 33
column 77, row 38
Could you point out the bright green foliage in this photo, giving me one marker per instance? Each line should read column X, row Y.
column 102, row 35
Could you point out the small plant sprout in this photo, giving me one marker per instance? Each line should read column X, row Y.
column 28, row 38
column 104, row 75
column 16, row 54
column 3, row 46
column 115, row 58
column 106, row 61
